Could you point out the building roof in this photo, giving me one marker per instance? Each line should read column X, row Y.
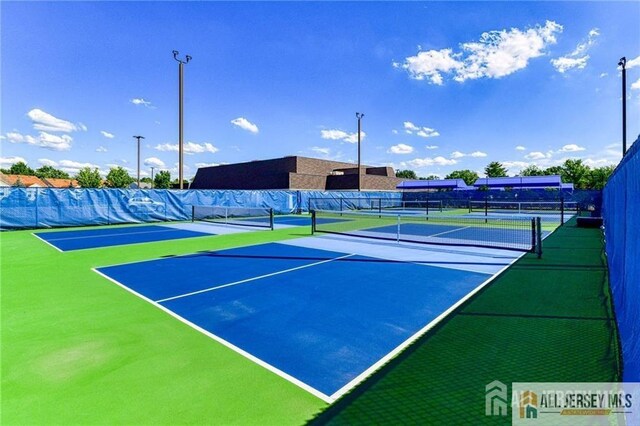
column 551, row 181
column 433, row 184
column 61, row 183
column 27, row 181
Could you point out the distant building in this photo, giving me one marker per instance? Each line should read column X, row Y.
column 295, row 173
column 36, row 182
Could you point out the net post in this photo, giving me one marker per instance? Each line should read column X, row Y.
column 561, row 210
column 469, row 204
column 538, row 236
column 398, row 231
column 271, row 219
column 193, row 213
column 313, row 222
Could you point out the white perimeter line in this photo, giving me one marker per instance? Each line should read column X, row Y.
column 46, row 242
column 362, row 376
column 252, row 279
column 231, row 346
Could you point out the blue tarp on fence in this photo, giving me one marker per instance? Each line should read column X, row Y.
column 621, row 211
column 48, row 207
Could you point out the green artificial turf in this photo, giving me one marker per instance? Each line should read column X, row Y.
column 78, row 349
column 542, row 320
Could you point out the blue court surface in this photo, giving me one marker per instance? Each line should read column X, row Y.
column 320, row 318
column 105, row 237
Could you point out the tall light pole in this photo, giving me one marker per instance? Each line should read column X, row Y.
column 359, row 116
column 623, row 64
column 152, row 185
column 180, row 113
column 139, row 137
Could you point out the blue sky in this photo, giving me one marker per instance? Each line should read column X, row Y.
column 443, row 85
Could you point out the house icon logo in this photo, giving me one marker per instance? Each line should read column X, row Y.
column 496, row 399
column 528, row 405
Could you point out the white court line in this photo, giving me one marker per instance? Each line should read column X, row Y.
column 446, row 232
column 46, row 242
column 229, row 345
column 382, row 361
column 253, row 278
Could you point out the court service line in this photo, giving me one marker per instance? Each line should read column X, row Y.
column 222, row 341
column 180, row 296
column 446, row 232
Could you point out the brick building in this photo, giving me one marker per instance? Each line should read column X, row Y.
column 294, row 173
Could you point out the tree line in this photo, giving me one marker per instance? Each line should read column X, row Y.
column 571, row 171
column 90, row 178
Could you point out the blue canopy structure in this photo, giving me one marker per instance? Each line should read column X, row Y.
column 551, row 181
column 456, row 184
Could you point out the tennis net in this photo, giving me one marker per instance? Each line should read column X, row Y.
column 510, row 233
column 243, row 216
column 524, row 207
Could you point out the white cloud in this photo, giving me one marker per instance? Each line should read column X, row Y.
column 15, row 137
column 636, row 85
column 571, row 148
column 520, row 148
column 43, row 140
column 9, row 161
column 421, row 131
column 337, row 135
column 101, row 149
column 633, row 63
column 425, row 162
column 496, row 54
column 154, row 162
column 200, row 165
column 431, row 146
column 457, row 154
column 245, row 124
column 107, row 134
column 141, row 101
column 535, row 155
column 47, row 162
column 48, row 123
column 189, row 147
column 578, row 58
column 319, row 150
column 394, row 131
column 400, row 149
column 604, row 74
column 478, row 154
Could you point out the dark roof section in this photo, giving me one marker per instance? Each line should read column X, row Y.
column 433, row 184
column 551, row 181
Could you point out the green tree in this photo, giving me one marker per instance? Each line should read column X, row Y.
column 21, row 168
column 554, row 170
column 146, row 179
column 599, row 176
column 406, row 174
column 430, row 177
column 467, row 176
column 532, row 170
column 162, row 180
column 51, row 172
column 118, row 178
column 495, row 169
column 576, row 172
column 88, row 178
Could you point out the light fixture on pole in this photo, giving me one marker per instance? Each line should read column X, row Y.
column 139, row 137
column 152, row 185
column 180, row 114
column 623, row 64
column 359, row 116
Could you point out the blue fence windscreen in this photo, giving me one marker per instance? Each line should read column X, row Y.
column 621, row 212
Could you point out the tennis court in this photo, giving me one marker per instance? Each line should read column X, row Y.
column 323, row 319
